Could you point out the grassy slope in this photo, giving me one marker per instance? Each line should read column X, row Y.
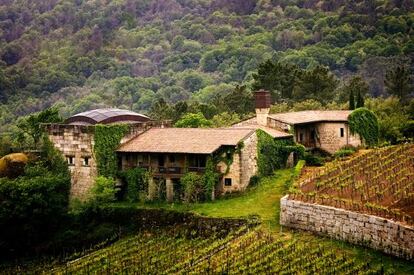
column 263, row 200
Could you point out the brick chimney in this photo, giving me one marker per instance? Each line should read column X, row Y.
column 263, row 101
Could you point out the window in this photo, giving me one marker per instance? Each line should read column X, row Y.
column 227, row 182
column 342, row 132
column 300, row 137
column 85, row 161
column 70, row 160
column 172, row 159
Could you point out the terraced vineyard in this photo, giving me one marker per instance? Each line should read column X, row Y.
column 378, row 182
column 252, row 250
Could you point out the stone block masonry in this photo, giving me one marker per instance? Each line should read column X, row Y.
column 382, row 234
column 76, row 143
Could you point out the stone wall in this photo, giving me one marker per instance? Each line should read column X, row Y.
column 244, row 166
column 76, row 141
column 278, row 125
column 330, row 138
column 248, row 161
column 234, row 174
column 372, row 231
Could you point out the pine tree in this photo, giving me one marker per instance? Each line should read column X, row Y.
column 398, row 82
column 359, row 100
column 351, row 100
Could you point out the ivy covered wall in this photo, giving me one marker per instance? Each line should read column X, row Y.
column 274, row 153
column 364, row 123
column 107, row 139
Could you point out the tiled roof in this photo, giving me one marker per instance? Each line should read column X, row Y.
column 311, row 116
column 184, row 140
column 106, row 115
column 252, row 124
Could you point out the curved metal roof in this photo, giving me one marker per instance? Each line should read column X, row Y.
column 106, row 116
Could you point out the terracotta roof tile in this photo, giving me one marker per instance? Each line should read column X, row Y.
column 184, row 140
column 252, row 124
column 311, row 116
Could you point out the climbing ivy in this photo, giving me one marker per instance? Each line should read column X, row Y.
column 273, row 154
column 210, row 178
column 364, row 123
column 226, row 155
column 107, row 139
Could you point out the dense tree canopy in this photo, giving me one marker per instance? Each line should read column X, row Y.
column 132, row 53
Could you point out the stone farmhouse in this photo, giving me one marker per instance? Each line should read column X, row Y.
column 316, row 129
column 171, row 152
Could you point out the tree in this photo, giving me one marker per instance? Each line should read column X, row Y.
column 398, row 82
column 31, row 125
column 191, row 120
column 225, row 119
column 351, row 100
column 318, row 83
column 358, row 88
column 160, row 110
column 240, row 100
column 360, row 100
column 392, row 118
column 33, row 205
column 276, row 77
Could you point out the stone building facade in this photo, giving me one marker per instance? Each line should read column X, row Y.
column 76, row 143
column 325, row 130
column 75, row 140
column 372, row 231
column 170, row 153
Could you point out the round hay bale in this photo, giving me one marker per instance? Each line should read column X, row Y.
column 12, row 165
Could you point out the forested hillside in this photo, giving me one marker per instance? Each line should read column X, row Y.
column 80, row 54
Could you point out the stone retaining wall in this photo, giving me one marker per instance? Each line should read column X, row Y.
column 372, row 231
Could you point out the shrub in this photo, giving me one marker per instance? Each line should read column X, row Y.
column 193, row 187
column 32, row 207
column 344, row 152
column 104, row 189
column 137, row 183
column 313, row 160
column 254, row 181
column 296, row 173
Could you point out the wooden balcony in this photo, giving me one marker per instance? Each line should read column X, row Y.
column 168, row 170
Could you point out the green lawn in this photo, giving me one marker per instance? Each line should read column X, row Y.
column 262, row 200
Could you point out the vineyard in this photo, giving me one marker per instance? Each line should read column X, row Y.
column 249, row 250
column 378, row 182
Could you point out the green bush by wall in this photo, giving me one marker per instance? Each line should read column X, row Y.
column 364, row 123
column 273, row 154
